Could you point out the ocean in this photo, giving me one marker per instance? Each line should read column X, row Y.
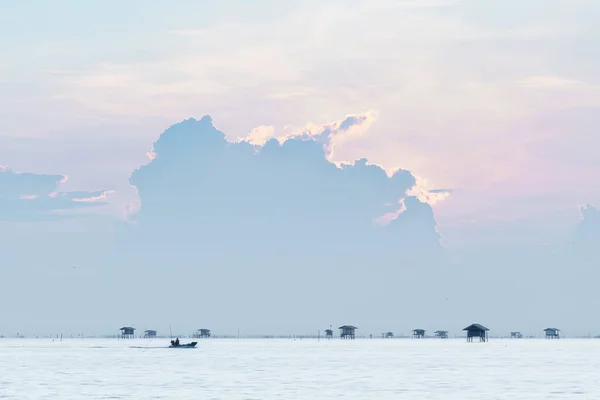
column 300, row 369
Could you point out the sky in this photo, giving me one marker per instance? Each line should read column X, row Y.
column 404, row 145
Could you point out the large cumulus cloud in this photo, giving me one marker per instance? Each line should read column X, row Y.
column 280, row 191
column 236, row 220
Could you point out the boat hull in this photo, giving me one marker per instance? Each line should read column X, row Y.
column 184, row 346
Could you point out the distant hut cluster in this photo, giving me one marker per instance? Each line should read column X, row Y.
column 474, row 332
column 128, row 332
column 349, row 332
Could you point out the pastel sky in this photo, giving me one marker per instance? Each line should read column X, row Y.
column 493, row 107
column 497, row 101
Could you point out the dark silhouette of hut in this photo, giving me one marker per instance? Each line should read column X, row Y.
column 516, row 335
column 476, row 330
column 149, row 334
column 347, row 331
column 388, row 335
column 127, row 332
column 418, row 333
column 552, row 333
column 328, row 333
column 201, row 333
column 204, row 333
column 441, row 334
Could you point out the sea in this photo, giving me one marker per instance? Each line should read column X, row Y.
column 290, row 369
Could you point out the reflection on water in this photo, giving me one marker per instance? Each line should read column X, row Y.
column 303, row 369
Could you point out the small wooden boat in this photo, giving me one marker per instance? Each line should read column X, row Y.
column 185, row 345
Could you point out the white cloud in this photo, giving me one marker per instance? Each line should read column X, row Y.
column 427, row 194
column 151, row 155
column 400, row 57
column 260, row 135
column 331, row 134
column 423, row 191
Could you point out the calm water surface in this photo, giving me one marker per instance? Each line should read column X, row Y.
column 301, row 369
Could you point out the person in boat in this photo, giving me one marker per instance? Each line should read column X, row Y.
column 177, row 342
column 172, row 342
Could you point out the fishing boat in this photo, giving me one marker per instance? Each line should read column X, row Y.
column 185, row 345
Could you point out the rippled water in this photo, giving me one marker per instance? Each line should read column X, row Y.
column 300, row 369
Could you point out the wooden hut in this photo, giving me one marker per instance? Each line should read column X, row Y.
column 204, row 333
column 418, row 333
column 516, row 335
column 552, row 333
column 328, row 333
column 127, row 332
column 441, row 334
column 150, row 334
column 476, row 331
column 347, row 331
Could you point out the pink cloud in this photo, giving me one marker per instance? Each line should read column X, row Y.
column 102, row 196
